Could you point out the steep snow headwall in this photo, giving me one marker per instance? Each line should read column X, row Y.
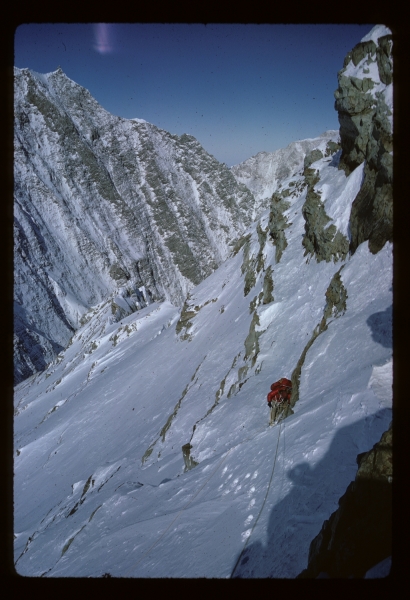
column 144, row 450
column 364, row 101
column 101, row 203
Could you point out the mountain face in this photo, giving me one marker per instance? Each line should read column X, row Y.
column 143, row 450
column 264, row 172
column 104, row 205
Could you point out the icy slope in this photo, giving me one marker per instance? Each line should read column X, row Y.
column 101, row 483
column 264, row 172
column 103, row 202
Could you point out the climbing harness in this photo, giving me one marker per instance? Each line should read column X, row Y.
column 263, row 504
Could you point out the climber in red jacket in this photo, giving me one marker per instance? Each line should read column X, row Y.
column 279, row 398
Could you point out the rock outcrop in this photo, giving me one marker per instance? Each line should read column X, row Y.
column 358, row 535
column 364, row 104
column 104, row 204
column 321, row 238
column 278, row 222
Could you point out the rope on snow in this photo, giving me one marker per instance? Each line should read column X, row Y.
column 263, row 504
column 201, row 488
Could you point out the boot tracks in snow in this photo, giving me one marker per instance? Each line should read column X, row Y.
column 263, row 504
column 201, row 488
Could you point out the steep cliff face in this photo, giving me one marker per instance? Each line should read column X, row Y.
column 104, row 204
column 358, row 535
column 364, row 101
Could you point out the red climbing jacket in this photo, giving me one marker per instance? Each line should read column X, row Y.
column 280, row 390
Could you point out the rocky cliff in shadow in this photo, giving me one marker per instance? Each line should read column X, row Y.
column 358, row 535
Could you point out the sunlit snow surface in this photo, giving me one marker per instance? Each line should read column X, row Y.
column 85, row 501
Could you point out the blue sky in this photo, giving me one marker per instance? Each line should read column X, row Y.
column 239, row 89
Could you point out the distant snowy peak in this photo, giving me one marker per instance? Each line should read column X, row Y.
column 263, row 173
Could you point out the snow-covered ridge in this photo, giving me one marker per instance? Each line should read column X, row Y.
column 377, row 32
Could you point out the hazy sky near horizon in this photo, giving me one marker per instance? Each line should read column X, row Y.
column 238, row 89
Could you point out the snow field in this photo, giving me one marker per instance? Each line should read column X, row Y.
column 126, row 408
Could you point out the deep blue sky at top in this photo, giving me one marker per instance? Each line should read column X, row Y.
column 239, row 89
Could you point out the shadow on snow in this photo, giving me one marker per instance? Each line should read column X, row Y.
column 381, row 325
column 295, row 520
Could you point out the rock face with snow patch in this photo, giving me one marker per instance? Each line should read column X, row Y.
column 321, row 238
column 364, row 104
column 103, row 203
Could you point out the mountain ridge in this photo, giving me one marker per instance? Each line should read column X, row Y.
column 263, row 172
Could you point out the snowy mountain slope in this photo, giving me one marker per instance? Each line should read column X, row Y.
column 102, row 202
column 144, row 449
column 264, row 172
column 98, row 432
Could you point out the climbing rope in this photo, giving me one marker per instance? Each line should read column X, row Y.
column 263, row 504
column 200, row 489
